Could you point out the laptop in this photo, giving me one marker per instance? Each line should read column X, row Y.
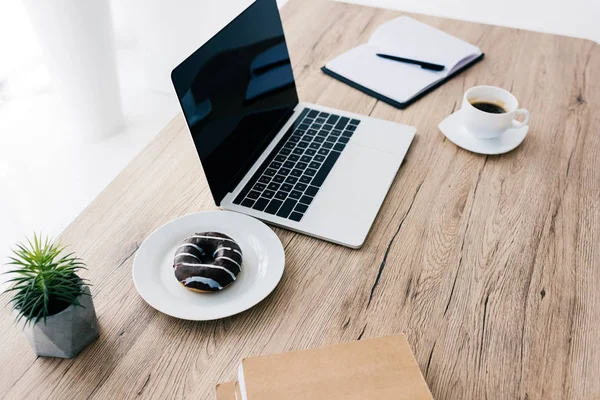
column 305, row 167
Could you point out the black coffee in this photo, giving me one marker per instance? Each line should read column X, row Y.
column 491, row 108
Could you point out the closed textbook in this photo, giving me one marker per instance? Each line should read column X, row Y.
column 226, row 391
column 371, row 369
column 398, row 83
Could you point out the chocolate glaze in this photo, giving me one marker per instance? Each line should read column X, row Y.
column 207, row 262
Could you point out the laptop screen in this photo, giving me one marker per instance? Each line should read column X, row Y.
column 236, row 92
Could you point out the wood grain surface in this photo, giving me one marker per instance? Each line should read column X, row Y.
column 490, row 265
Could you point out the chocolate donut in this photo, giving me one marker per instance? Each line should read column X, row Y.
column 207, row 262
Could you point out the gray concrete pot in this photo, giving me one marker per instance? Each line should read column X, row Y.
column 65, row 334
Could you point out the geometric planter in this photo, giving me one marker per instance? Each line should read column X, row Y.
column 67, row 333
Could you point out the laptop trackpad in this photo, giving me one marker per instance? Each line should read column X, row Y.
column 350, row 198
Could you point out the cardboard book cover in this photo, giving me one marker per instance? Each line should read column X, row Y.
column 226, row 391
column 371, row 369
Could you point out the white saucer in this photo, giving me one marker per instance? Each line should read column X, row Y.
column 262, row 266
column 454, row 130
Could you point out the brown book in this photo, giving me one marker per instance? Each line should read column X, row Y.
column 226, row 391
column 372, row 369
column 229, row 391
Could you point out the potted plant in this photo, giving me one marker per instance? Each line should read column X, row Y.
column 54, row 303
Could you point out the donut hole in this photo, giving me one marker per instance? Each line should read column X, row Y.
column 209, row 251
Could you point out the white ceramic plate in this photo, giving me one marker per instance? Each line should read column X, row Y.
column 262, row 266
column 452, row 127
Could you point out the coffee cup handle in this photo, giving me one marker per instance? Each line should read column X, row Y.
column 520, row 124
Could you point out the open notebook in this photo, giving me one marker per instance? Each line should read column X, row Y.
column 397, row 83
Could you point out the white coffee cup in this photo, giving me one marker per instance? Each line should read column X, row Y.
column 487, row 125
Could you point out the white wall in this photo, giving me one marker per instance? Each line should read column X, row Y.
column 579, row 18
column 167, row 31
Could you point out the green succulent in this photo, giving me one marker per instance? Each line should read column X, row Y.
column 46, row 281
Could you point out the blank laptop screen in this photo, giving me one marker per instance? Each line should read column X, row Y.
column 236, row 92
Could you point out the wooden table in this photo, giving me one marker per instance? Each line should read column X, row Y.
column 490, row 265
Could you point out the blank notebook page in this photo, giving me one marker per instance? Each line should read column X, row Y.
column 407, row 38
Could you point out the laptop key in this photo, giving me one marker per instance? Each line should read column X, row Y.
column 268, row 194
column 351, row 127
column 287, row 187
column 280, row 158
column 324, row 171
column 300, row 186
column 270, row 172
column 316, row 126
column 273, row 206
column 315, row 165
column 289, row 164
column 339, row 147
column 253, row 195
column 314, row 146
column 305, row 158
column 323, row 152
column 327, row 145
column 298, row 151
column 323, row 114
column 285, row 151
column 301, row 207
column 248, row 203
column 321, row 135
column 355, row 121
column 260, row 204
column 301, row 165
column 332, row 119
column 296, row 216
column 294, row 138
column 293, row 157
column 286, row 208
column 310, row 152
column 319, row 158
column 306, row 200
column 273, row 186
column 275, row 165
column 310, row 172
column 281, row 195
column 343, row 140
column 264, row 179
column 342, row 123
column 331, row 139
column 305, row 179
column 327, row 127
column 347, row 134
column 311, row 132
column 291, row 180
column 284, row 171
column 336, row 132
column 320, row 120
column 303, row 126
column 311, row 190
column 303, row 144
column 318, row 139
column 278, row 178
column 289, row 145
column 313, row 113
column 296, row 172
column 294, row 194
column 259, row 186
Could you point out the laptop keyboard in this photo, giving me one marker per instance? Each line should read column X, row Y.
column 291, row 176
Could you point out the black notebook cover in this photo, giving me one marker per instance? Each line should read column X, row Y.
column 393, row 102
